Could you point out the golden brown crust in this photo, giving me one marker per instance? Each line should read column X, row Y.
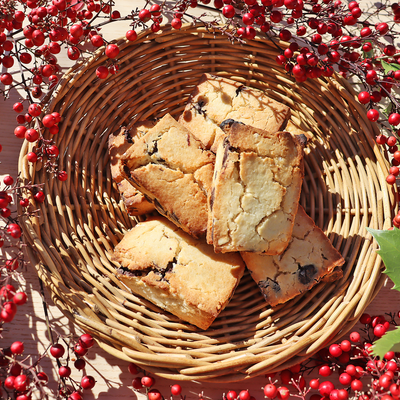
column 135, row 202
column 177, row 272
column 308, row 259
column 256, row 189
column 216, row 99
column 173, row 170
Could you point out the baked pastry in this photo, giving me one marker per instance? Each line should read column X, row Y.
column 174, row 171
column 118, row 144
column 177, row 272
column 255, row 191
column 308, row 259
column 216, row 99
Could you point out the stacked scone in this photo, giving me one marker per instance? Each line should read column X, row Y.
column 226, row 180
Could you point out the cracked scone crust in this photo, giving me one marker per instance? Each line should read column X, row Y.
column 174, row 171
column 256, row 189
column 216, row 99
column 135, row 201
column 308, row 259
column 176, row 272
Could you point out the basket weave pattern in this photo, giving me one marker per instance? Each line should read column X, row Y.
column 82, row 219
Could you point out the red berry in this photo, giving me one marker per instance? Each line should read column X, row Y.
column 48, row 121
column 32, row 157
column 147, row 381
column 8, row 180
column 394, row 119
column 231, row 395
column 345, row 345
column 325, row 370
column 76, row 30
column 64, row 371
column 31, row 135
column 154, row 394
column 73, row 53
column 365, row 319
column 391, row 180
column 86, row 340
column 131, row 35
column 9, row 382
column 325, row 388
column 345, row 378
column 7, row 292
column 244, row 395
column 144, row 15
column 373, row 115
column 112, row 51
column 75, row 396
column 364, row 97
column 17, row 347
column 57, row 350
column 270, row 391
column 80, row 350
column 335, row 350
column 283, row 393
column 18, row 107
column 88, row 382
column 356, row 385
column 19, row 298
column 355, row 337
column 97, row 40
column 176, row 390
column 21, row 383
column 137, row 383
column 382, row 28
column 79, row 364
column 6, row 79
column 228, row 11
column 379, row 329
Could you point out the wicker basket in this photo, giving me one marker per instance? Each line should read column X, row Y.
column 82, row 219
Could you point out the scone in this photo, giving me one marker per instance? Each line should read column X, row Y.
column 176, row 272
column 174, row 171
column 308, row 259
column 118, row 144
column 216, row 99
column 255, row 191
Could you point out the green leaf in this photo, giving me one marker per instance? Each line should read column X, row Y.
column 368, row 54
column 387, row 111
column 389, row 67
column 389, row 244
column 390, row 341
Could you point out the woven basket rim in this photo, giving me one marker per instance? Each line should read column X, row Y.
column 70, row 242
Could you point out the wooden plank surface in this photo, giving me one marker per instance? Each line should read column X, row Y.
column 111, row 374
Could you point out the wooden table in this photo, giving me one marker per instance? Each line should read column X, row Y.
column 111, row 374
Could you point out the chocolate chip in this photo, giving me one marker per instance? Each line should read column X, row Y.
column 269, row 283
column 212, row 197
column 128, row 136
column 226, row 150
column 153, row 149
column 227, row 123
column 306, row 273
column 302, row 139
column 239, row 89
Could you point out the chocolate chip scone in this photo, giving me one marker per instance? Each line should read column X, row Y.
column 256, row 189
column 216, row 99
column 174, row 171
column 135, row 201
column 308, row 259
column 176, row 272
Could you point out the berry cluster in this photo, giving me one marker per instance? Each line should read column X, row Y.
column 346, row 371
column 22, row 381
